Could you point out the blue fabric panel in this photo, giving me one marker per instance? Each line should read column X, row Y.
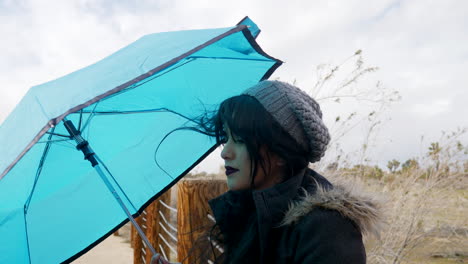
column 12, row 239
column 51, row 99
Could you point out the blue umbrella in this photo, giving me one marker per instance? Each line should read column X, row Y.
column 55, row 205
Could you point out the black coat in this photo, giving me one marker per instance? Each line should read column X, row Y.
column 302, row 220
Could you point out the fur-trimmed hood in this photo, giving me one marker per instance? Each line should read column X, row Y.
column 362, row 208
column 301, row 211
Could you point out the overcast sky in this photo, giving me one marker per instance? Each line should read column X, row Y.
column 420, row 47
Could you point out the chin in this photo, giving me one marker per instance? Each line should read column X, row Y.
column 237, row 187
column 232, row 186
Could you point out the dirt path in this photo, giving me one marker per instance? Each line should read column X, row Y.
column 115, row 250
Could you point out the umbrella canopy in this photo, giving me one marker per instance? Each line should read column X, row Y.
column 53, row 205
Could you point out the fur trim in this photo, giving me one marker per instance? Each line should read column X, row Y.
column 364, row 210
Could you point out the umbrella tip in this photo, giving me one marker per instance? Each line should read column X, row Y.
column 251, row 26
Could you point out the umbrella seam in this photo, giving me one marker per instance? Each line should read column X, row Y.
column 28, row 201
column 41, row 106
column 54, row 121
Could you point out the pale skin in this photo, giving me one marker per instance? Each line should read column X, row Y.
column 236, row 156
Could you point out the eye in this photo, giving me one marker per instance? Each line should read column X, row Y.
column 238, row 140
column 222, row 138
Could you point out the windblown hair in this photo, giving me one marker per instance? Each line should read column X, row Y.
column 248, row 120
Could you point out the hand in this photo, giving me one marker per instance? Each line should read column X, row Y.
column 158, row 259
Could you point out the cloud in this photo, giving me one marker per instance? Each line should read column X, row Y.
column 419, row 46
column 431, row 109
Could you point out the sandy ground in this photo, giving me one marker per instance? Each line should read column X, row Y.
column 115, row 250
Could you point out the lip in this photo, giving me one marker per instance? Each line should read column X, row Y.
column 230, row 170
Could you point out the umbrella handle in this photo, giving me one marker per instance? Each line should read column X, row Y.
column 83, row 145
column 158, row 259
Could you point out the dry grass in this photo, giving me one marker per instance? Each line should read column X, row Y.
column 426, row 199
column 426, row 209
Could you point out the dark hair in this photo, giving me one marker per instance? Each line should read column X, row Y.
column 247, row 119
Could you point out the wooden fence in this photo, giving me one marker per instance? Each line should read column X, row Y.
column 156, row 227
column 192, row 213
column 173, row 230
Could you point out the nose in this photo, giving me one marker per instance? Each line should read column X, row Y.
column 226, row 153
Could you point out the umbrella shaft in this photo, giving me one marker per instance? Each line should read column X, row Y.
column 129, row 215
column 89, row 154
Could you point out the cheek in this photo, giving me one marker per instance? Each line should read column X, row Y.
column 244, row 156
column 241, row 181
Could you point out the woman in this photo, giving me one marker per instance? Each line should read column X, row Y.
column 277, row 210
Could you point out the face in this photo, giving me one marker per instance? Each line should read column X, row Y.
column 238, row 165
column 236, row 161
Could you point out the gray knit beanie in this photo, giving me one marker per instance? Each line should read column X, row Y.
column 296, row 112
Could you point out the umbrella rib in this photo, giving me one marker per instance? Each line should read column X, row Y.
column 156, row 110
column 54, row 140
column 28, row 201
column 90, row 117
column 68, row 145
column 38, row 172
column 135, row 85
column 79, row 123
column 115, row 181
column 93, row 113
column 58, row 135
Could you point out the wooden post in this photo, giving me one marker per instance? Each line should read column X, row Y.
column 133, row 236
column 149, row 222
column 149, row 226
column 161, row 209
column 192, row 210
column 154, row 222
column 137, row 243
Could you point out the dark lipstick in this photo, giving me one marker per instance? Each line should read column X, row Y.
column 230, row 170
